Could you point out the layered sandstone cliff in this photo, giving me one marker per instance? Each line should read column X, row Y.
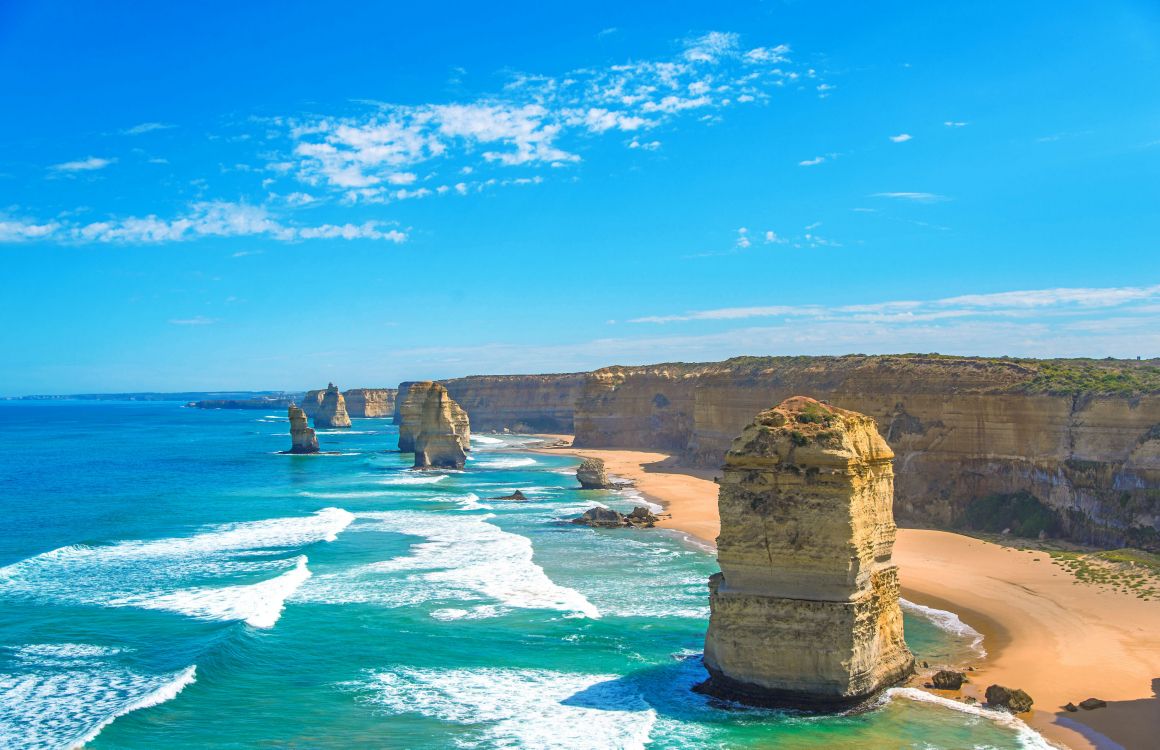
column 1081, row 436
column 370, row 402
column 440, row 430
column 331, row 411
column 520, row 403
column 412, row 401
column 302, row 437
column 805, row 609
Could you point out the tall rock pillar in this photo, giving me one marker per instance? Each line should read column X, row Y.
column 302, row 438
column 805, row 609
column 332, row 410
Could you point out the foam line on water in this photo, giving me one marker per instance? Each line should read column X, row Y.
column 258, row 604
column 462, row 557
column 504, row 463
column 525, row 708
column 413, row 479
column 1028, row 738
column 485, row 440
column 68, row 707
column 948, row 621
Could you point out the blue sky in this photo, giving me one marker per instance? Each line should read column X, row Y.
column 274, row 195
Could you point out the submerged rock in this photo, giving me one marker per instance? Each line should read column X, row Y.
column 607, row 518
column 1012, row 699
column 947, row 679
column 302, row 437
column 412, row 398
column 331, row 410
column 805, row 610
column 592, row 475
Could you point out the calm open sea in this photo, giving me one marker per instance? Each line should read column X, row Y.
column 168, row 580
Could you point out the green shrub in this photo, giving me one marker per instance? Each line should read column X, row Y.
column 1021, row 512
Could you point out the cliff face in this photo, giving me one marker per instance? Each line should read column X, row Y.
column 311, row 401
column 411, row 409
column 331, row 412
column 520, row 403
column 805, row 609
column 370, row 402
column 962, row 429
column 439, row 427
column 302, row 437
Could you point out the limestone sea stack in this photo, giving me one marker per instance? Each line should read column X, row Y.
column 332, row 410
column 805, row 609
column 302, row 437
column 592, row 475
column 410, row 409
column 439, row 442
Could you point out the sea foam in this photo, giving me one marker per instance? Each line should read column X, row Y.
column 949, row 622
column 525, row 708
column 504, row 463
column 1028, row 738
column 68, row 708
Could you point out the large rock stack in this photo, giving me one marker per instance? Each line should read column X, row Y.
column 332, row 410
column 409, row 409
column 302, row 437
column 805, row 609
column 437, row 427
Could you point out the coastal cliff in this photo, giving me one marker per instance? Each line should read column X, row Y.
column 805, row 610
column 331, row 412
column 370, row 402
column 519, row 403
column 1081, row 437
column 437, row 426
column 413, row 406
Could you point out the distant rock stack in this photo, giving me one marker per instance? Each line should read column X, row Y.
column 438, row 437
column 302, row 437
column 312, row 401
column 592, row 475
column 332, row 411
column 409, row 414
column 805, row 609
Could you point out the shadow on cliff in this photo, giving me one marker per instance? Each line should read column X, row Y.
column 1121, row 724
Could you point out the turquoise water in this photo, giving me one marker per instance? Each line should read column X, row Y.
column 168, row 580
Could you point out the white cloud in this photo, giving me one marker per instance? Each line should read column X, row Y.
column 912, row 196
column 743, row 240
column 83, row 165
column 646, row 145
column 901, row 137
column 205, row 219
column 772, row 238
column 812, row 162
column 146, row 127
column 197, row 320
column 955, row 124
column 1015, row 304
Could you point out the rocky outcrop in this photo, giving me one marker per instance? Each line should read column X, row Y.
column 435, row 428
column 947, row 679
column 592, row 475
column 516, row 496
column 312, row 401
column 370, row 402
column 302, row 437
column 805, row 610
column 1082, row 436
column 331, row 411
column 409, row 414
column 1012, row 699
column 607, row 518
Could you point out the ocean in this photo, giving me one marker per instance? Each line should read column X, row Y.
column 169, row 580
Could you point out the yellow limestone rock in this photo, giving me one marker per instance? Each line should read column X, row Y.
column 439, row 439
column 331, row 411
column 409, row 414
column 805, row 609
column 302, row 438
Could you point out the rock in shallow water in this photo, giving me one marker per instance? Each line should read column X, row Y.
column 1012, row 699
column 805, row 609
column 302, row 437
column 607, row 518
column 592, row 475
column 947, row 679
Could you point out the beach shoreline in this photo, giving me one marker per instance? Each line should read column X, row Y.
column 1060, row 639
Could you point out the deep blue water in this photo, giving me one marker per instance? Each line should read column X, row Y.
column 167, row 579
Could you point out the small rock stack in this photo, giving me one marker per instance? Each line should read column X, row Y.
column 332, row 410
column 302, row 437
column 592, row 475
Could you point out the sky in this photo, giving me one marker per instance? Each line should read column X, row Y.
column 277, row 195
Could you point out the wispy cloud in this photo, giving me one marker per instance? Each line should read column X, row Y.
column 197, row 320
column 901, row 137
column 89, row 164
column 955, row 124
column 812, row 162
column 536, row 121
column 206, row 219
column 146, row 127
column 998, row 304
column 911, row 196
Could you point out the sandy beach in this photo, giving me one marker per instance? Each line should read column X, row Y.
column 1060, row 639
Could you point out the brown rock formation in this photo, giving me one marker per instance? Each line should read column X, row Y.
column 311, row 401
column 437, row 427
column 331, row 411
column 370, row 402
column 302, row 437
column 607, row 518
column 519, row 403
column 409, row 414
column 592, row 475
column 805, row 609
column 1012, row 699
